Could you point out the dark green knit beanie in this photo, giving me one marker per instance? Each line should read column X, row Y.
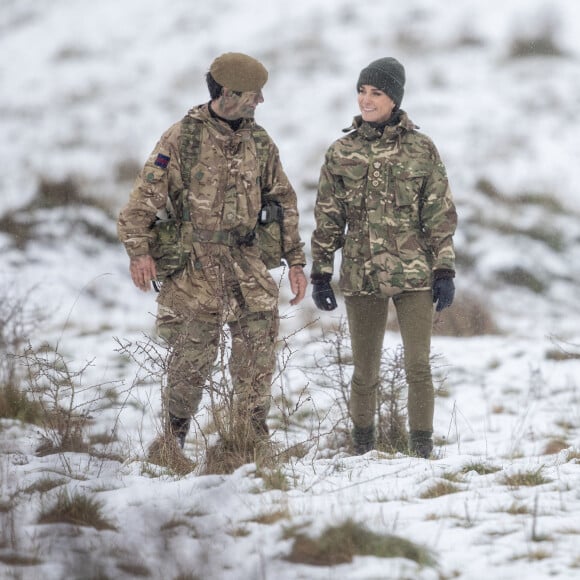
column 388, row 75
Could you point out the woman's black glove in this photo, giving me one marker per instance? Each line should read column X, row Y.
column 443, row 288
column 322, row 292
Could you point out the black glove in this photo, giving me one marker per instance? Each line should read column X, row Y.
column 443, row 289
column 322, row 292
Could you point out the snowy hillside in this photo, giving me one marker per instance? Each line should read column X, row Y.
column 88, row 87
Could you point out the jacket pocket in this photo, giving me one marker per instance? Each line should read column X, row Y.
column 351, row 179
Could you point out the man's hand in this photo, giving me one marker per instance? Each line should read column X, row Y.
column 143, row 272
column 298, row 284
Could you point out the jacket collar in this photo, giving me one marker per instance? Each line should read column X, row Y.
column 370, row 132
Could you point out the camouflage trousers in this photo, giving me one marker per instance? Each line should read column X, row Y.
column 195, row 344
column 367, row 320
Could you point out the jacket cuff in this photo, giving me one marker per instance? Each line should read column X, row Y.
column 443, row 274
column 320, row 278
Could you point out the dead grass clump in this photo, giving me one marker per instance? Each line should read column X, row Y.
column 468, row 316
column 273, row 478
column 165, row 451
column 18, row 319
column 555, row 445
column 546, row 201
column 439, row 489
column 558, row 354
column 15, row 404
column 44, row 485
column 339, row 544
column 229, row 454
column 77, row 509
column 134, row 569
column 15, row 559
column 519, row 276
column 480, row 468
column 270, row 518
column 127, row 170
column 55, row 193
column 542, row 44
column 525, row 479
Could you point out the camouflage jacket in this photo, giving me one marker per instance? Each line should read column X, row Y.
column 385, row 200
column 225, row 195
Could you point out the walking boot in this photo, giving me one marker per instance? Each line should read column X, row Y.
column 421, row 444
column 363, row 439
column 179, row 428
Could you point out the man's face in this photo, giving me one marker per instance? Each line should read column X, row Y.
column 238, row 105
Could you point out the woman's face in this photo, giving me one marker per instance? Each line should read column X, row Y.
column 375, row 105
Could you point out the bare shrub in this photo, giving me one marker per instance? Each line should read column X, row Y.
column 66, row 399
column 228, row 436
column 333, row 371
column 17, row 320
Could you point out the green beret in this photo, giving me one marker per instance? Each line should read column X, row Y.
column 239, row 72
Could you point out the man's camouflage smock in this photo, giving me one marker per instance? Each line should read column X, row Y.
column 384, row 198
column 225, row 195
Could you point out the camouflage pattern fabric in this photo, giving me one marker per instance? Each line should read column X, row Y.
column 194, row 346
column 384, row 199
column 224, row 197
column 223, row 282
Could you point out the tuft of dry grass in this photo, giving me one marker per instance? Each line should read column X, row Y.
column 77, row 509
column 555, row 445
column 273, row 478
column 44, row 485
column 440, row 488
column 525, row 479
column 339, row 544
column 15, row 404
column 270, row 518
column 468, row 316
column 480, row 468
column 165, row 451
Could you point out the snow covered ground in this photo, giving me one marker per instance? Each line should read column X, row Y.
column 88, row 87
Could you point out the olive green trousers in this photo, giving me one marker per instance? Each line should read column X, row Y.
column 367, row 320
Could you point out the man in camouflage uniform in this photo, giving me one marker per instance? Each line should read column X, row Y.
column 224, row 281
column 383, row 198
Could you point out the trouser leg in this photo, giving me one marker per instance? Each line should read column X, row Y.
column 415, row 315
column 193, row 349
column 252, row 366
column 367, row 320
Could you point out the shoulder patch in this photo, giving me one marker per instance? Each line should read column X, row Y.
column 162, row 160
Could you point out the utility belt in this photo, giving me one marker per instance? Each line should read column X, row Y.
column 230, row 238
column 173, row 240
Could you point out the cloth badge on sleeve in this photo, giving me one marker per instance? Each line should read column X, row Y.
column 162, row 160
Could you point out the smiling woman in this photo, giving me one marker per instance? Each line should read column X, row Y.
column 380, row 88
column 383, row 198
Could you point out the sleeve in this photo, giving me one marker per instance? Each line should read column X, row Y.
column 277, row 187
column 330, row 217
column 160, row 175
column 439, row 217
